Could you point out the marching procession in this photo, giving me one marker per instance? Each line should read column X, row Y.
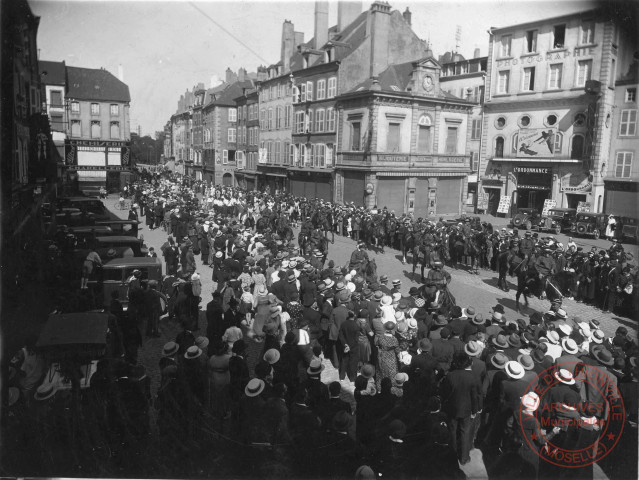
column 272, row 350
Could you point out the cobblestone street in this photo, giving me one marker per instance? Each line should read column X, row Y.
column 478, row 291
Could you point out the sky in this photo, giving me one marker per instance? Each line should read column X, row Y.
column 165, row 47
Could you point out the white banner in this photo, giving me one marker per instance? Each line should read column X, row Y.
column 91, row 158
column 536, row 142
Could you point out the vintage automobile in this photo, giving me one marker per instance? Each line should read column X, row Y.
column 87, row 234
column 526, row 218
column 629, row 228
column 587, row 223
column 111, row 247
column 557, row 220
column 128, row 228
column 114, row 274
column 90, row 205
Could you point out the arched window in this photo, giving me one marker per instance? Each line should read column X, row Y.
column 499, row 147
column 577, row 147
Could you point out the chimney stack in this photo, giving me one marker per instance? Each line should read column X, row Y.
column 288, row 45
column 241, row 74
column 477, row 53
column 408, row 16
column 321, row 23
column 120, row 73
column 378, row 30
column 299, row 39
column 230, row 76
column 347, row 12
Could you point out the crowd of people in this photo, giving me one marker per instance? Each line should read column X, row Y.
column 422, row 381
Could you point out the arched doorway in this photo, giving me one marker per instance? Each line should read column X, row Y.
column 227, row 180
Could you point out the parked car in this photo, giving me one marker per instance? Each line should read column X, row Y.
column 557, row 220
column 128, row 228
column 114, row 274
column 87, row 234
column 90, row 205
column 526, row 218
column 629, row 228
column 114, row 247
column 587, row 223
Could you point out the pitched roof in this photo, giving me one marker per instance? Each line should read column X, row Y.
column 94, row 84
column 231, row 92
column 53, row 73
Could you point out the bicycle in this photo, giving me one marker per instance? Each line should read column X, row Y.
column 124, row 205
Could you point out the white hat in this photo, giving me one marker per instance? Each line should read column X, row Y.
column 514, row 370
column 530, row 401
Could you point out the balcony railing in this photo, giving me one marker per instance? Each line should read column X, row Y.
column 456, row 161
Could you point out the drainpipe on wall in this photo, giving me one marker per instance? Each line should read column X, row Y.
column 481, row 138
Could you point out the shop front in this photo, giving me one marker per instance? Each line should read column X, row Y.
column 311, row 184
column 492, row 189
column 534, row 186
column 577, row 188
column 391, row 193
column 354, row 187
column 271, row 180
column 246, row 181
column 620, row 198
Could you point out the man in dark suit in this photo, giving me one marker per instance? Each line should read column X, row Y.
column 423, row 369
column 279, row 287
column 462, row 400
column 215, row 326
column 443, row 350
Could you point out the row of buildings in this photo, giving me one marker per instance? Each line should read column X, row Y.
column 365, row 113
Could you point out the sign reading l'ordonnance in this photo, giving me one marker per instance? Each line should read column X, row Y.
column 536, row 142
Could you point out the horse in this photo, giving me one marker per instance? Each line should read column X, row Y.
column 472, row 250
column 262, row 224
column 303, row 241
column 375, row 233
column 390, row 226
column 442, row 297
column 369, row 271
column 528, row 281
column 286, row 233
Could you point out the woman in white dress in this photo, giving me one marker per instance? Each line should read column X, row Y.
column 610, row 229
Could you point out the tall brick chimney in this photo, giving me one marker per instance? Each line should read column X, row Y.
column 299, row 38
column 321, row 23
column 408, row 17
column 347, row 12
column 378, row 30
column 477, row 53
column 241, row 74
column 288, row 44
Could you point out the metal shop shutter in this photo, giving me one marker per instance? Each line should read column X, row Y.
column 323, row 191
column 449, row 195
column 297, row 188
column 421, row 198
column 391, row 193
column 621, row 203
column 354, row 188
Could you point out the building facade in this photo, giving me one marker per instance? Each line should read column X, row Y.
column 466, row 79
column 622, row 170
column 403, row 143
column 248, row 134
column 549, row 91
column 98, row 134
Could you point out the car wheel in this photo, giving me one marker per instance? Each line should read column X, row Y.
column 528, row 225
column 581, row 229
column 517, row 221
column 597, row 233
column 557, row 230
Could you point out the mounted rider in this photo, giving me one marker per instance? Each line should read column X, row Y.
column 436, row 280
column 359, row 258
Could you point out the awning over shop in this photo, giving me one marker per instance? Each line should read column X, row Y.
column 535, row 160
column 272, row 174
column 419, row 174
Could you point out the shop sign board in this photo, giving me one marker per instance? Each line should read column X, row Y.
column 583, row 207
column 548, row 204
column 504, row 204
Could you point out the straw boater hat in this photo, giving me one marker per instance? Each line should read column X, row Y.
column 254, row 387
column 526, row 361
column 472, row 348
column 170, row 349
column 564, row 376
column 499, row 360
column 316, row 367
column 530, row 401
column 192, row 352
column 386, row 300
column 45, row 391
column 603, row 356
column 329, row 283
column 553, row 337
column 400, row 379
column 514, row 370
column 478, row 319
column 272, row 356
column 569, row 345
column 500, row 341
column 598, row 336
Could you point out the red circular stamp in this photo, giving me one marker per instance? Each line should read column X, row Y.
column 573, row 415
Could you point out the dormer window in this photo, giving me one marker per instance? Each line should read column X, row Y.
column 305, row 61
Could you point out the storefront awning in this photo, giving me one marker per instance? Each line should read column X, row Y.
column 271, row 174
column 536, row 160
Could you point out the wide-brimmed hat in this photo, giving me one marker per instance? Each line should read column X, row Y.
column 472, row 348
column 340, row 286
column 469, row 311
column 538, row 355
column 254, row 387
column 478, row 319
column 565, row 328
column 316, row 367
column 530, row 401
column 272, row 356
column 344, row 296
column 499, row 360
column 169, row 349
column 412, row 323
column 500, row 341
column 397, row 283
column 291, row 277
column 526, row 361
column 192, row 352
column 202, row 342
column 45, row 391
column 553, row 337
column 603, row 355
column 400, row 379
column 514, row 370
column 564, row 376
column 386, row 300
column 569, row 345
column 497, row 316
column 561, row 313
column 514, row 340
column 598, row 336
column 367, row 371
column 329, row 283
